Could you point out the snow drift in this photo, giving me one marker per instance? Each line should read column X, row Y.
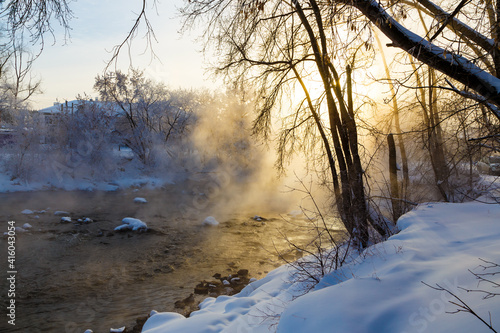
column 382, row 290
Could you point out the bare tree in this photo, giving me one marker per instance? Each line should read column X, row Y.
column 18, row 84
column 275, row 45
column 34, row 18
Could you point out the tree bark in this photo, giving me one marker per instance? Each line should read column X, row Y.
column 393, row 178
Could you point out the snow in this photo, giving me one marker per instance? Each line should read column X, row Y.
column 210, row 221
column 60, row 213
column 121, row 181
column 27, row 226
column 65, row 219
column 27, row 212
column 133, row 224
column 381, row 290
column 117, row 330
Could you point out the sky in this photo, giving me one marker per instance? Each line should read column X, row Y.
column 68, row 68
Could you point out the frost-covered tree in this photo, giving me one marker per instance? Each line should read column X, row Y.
column 147, row 113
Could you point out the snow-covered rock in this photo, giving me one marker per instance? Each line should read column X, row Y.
column 117, row 330
column 140, row 200
column 27, row 226
column 61, row 213
column 65, row 219
column 130, row 223
column 88, row 331
column 27, row 212
column 210, row 221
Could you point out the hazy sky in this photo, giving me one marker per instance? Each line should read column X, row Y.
column 68, row 69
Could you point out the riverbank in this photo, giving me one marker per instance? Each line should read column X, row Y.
column 405, row 284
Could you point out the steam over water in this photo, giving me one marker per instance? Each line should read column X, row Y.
column 73, row 277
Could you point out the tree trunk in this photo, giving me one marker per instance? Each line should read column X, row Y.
column 353, row 208
column 393, row 178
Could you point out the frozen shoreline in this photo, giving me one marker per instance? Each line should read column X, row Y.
column 381, row 291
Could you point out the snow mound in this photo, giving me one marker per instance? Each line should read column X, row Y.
column 27, row 226
column 381, row 290
column 60, row 213
column 27, row 212
column 210, row 221
column 140, row 200
column 130, row 223
column 117, row 330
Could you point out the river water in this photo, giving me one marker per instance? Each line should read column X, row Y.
column 75, row 276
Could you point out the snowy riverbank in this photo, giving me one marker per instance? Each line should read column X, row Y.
column 383, row 290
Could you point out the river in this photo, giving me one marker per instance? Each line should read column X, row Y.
column 77, row 276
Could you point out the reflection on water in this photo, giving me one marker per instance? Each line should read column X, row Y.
column 73, row 277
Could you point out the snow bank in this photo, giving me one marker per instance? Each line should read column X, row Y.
column 380, row 291
column 130, row 223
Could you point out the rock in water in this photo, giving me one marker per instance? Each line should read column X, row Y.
column 140, row 200
column 211, row 221
column 117, row 330
column 65, row 219
column 130, row 223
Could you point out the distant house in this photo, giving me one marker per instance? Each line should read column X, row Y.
column 73, row 107
column 68, row 107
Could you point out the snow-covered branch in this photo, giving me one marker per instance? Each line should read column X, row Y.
column 478, row 98
column 452, row 64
